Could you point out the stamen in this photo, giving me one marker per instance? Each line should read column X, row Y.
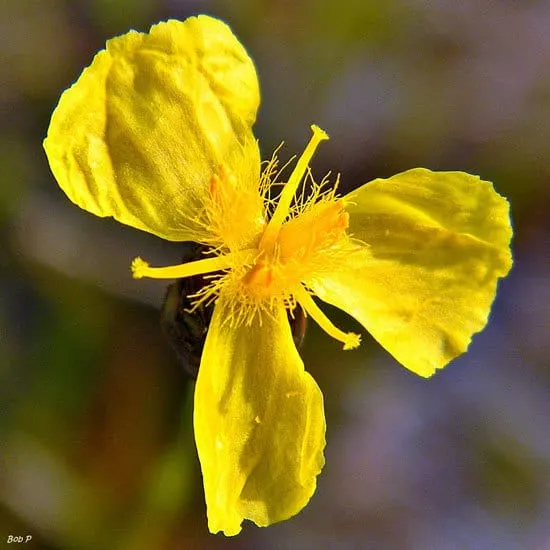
column 290, row 188
column 141, row 268
column 349, row 339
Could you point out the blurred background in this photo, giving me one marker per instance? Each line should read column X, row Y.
column 96, row 443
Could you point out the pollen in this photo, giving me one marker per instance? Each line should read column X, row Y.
column 315, row 231
column 233, row 214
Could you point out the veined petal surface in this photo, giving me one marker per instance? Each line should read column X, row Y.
column 259, row 422
column 140, row 134
column 435, row 245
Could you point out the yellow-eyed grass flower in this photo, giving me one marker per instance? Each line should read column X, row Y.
column 157, row 133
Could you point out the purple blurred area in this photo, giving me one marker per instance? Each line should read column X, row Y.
column 96, row 438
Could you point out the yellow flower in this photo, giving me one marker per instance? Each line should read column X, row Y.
column 157, row 132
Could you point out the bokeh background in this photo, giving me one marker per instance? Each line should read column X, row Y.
column 96, row 444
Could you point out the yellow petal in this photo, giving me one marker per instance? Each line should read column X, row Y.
column 436, row 245
column 140, row 134
column 259, row 423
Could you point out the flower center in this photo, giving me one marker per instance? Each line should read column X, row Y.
column 301, row 248
column 296, row 244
